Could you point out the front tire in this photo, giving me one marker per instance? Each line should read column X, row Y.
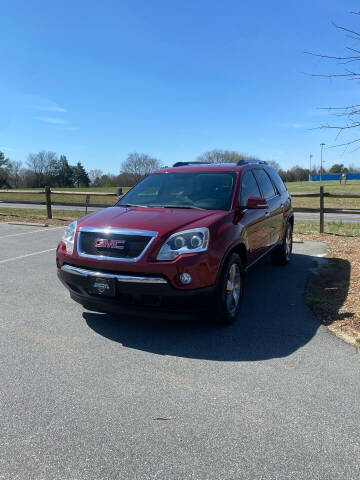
column 282, row 254
column 230, row 291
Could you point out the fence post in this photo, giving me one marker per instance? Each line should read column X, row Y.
column 87, row 201
column 48, row 202
column 321, row 209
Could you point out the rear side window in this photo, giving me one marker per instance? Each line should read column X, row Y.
column 249, row 188
column 264, row 182
column 278, row 182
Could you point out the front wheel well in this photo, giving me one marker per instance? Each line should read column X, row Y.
column 240, row 249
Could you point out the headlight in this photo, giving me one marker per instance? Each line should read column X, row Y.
column 69, row 236
column 188, row 241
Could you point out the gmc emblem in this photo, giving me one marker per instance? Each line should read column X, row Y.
column 105, row 243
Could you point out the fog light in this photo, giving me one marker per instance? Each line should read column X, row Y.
column 185, row 278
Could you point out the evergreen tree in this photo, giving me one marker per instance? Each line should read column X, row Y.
column 4, row 171
column 66, row 174
column 81, row 178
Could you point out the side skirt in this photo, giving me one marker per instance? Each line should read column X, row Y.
column 262, row 255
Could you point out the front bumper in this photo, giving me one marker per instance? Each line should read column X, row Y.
column 133, row 293
column 203, row 267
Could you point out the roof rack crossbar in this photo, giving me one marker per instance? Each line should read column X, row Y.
column 244, row 162
column 183, row 164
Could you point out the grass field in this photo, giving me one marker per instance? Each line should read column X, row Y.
column 33, row 213
column 338, row 228
column 293, row 187
column 330, row 187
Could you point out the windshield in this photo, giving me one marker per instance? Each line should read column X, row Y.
column 208, row 191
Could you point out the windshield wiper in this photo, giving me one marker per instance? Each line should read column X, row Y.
column 131, row 205
column 178, row 206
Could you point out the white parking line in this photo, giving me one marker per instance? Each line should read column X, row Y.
column 31, row 231
column 27, row 255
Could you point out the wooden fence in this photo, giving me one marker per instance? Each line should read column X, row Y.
column 47, row 192
column 322, row 209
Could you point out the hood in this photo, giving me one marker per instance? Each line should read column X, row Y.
column 162, row 220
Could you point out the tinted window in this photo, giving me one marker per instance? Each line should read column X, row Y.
column 278, row 182
column 264, row 181
column 210, row 191
column 249, row 188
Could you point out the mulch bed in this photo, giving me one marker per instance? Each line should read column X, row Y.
column 334, row 293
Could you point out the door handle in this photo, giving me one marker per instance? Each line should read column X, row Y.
column 267, row 214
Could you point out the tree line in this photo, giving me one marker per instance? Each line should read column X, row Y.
column 300, row 174
column 43, row 168
column 47, row 168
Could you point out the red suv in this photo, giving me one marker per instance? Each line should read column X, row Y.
column 182, row 238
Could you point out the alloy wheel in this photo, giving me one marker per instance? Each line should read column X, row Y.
column 288, row 243
column 233, row 289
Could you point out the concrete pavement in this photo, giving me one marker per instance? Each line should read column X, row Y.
column 273, row 397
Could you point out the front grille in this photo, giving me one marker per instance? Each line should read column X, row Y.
column 101, row 243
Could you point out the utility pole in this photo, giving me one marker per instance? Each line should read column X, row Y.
column 311, row 156
column 322, row 145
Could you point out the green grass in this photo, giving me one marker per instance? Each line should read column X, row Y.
column 339, row 228
column 352, row 186
column 28, row 212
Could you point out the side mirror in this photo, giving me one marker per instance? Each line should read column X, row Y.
column 256, row 202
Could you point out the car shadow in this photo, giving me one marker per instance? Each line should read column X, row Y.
column 274, row 321
column 327, row 292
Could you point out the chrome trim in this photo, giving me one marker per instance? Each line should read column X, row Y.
column 123, row 231
column 120, row 278
column 272, row 198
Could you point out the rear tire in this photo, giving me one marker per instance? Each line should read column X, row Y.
column 282, row 254
column 229, row 293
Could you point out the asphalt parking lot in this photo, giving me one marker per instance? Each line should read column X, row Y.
column 94, row 396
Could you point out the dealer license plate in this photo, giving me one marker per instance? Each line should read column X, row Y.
column 103, row 286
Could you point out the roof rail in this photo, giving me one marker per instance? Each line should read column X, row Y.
column 183, row 164
column 244, row 162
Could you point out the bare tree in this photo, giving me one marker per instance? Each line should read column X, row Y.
column 15, row 170
column 274, row 164
column 354, row 168
column 40, row 164
column 139, row 164
column 348, row 115
column 94, row 175
column 296, row 174
column 223, row 156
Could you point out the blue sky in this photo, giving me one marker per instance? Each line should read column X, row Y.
column 174, row 78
